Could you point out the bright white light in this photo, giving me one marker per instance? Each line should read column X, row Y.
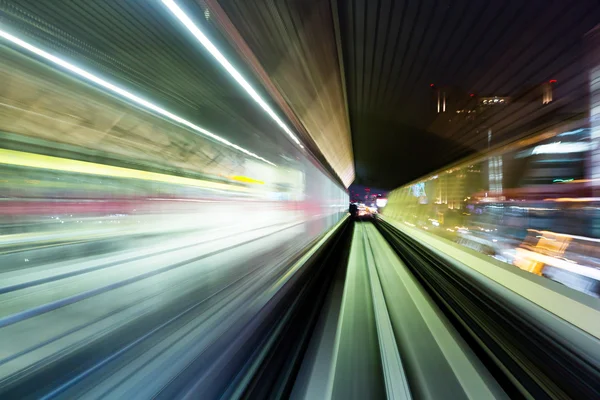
column 575, row 132
column 113, row 88
column 561, row 148
column 381, row 202
column 194, row 30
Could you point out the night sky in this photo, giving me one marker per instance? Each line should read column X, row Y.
column 394, row 50
column 358, row 192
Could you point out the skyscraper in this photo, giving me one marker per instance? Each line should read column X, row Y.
column 592, row 39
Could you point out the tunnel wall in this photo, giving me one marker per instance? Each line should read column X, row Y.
column 528, row 204
column 75, row 159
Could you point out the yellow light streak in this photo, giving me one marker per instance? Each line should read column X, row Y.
column 246, row 179
column 122, row 92
column 30, row 160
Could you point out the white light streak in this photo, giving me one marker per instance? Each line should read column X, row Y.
column 444, row 106
column 128, row 95
column 575, row 132
column 212, row 49
column 562, row 148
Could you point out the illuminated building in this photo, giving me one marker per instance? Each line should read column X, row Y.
column 593, row 61
column 493, row 101
column 447, row 100
column 495, row 174
column 438, row 99
column 547, row 91
column 451, row 109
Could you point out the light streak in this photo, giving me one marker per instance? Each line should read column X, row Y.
column 122, row 92
column 30, row 160
column 246, row 179
column 584, row 270
column 562, row 148
column 212, row 49
column 574, row 199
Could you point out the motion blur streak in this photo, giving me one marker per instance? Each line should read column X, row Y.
column 532, row 219
column 130, row 245
column 16, row 158
column 319, row 106
column 143, row 256
column 91, row 77
column 193, row 28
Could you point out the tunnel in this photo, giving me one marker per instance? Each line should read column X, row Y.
column 284, row 199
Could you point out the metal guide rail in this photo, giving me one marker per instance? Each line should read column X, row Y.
column 530, row 351
column 223, row 317
column 365, row 312
column 411, row 322
column 391, row 339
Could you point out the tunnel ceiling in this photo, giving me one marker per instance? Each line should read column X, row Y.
column 303, row 66
column 391, row 51
column 394, row 50
column 141, row 47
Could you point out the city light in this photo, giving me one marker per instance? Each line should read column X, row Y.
column 563, row 180
column 212, row 49
column 380, row 203
column 561, row 148
column 122, row 92
column 574, row 132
